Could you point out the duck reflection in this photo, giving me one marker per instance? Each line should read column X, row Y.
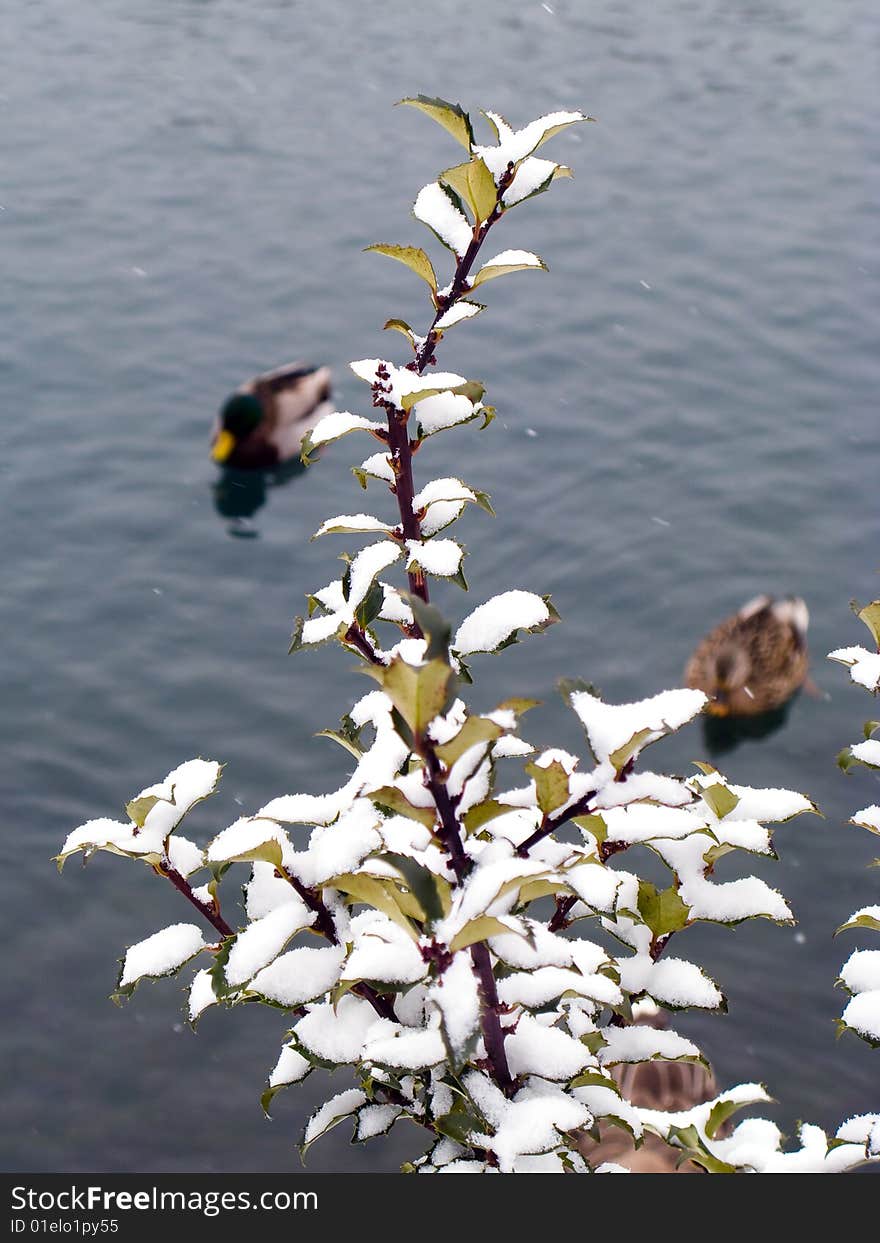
column 239, row 494
column 724, row 733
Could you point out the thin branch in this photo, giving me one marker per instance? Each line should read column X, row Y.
column 357, row 638
column 212, row 915
column 551, row 823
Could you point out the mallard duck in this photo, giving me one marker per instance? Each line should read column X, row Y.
column 671, row 1087
column 263, row 422
column 754, row 661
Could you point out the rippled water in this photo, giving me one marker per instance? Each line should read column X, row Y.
column 687, row 415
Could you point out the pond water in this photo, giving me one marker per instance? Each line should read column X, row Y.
column 687, row 416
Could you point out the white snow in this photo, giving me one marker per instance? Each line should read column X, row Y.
column 510, row 259
column 441, row 557
column 531, row 174
column 340, row 423
column 300, row 975
column 265, row 938
column 378, row 465
column 435, row 209
column 864, row 666
column 534, row 1049
column 244, row 837
column 490, row 624
column 611, row 726
column 542, row 948
column 291, row 1067
column 407, row 1049
column 201, row 994
column 537, row 988
column 457, row 997
column 442, row 410
column 333, row 1111
column 868, row 752
column 376, row 1119
column 515, row 145
column 861, row 971
column 346, row 523
column 868, row 818
column 339, row 1035
column 162, row 953
column 640, row 1044
column 669, row 980
column 460, row 310
column 383, row 952
column 184, row 856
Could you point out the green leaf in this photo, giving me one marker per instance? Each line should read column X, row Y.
column 431, row 892
column 479, row 929
column 593, row 1079
column 861, row 921
column 384, row 898
column 460, row 1125
column 593, row 824
column 397, row 803
column 419, row 694
column 663, row 911
column 400, row 325
column 139, row 808
column 693, row 1148
column 621, row 757
column 870, row 729
column 475, row 729
column 721, row 799
column 433, row 626
column 473, row 184
column 846, row 760
column 482, row 813
column 452, row 117
column 551, row 784
column 414, row 258
column 472, row 389
column 489, row 271
column 718, row 1115
column 870, row 615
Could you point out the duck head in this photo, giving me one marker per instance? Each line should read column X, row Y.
column 239, row 418
column 727, row 676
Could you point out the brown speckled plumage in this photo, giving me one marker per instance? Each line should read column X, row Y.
column 754, row 661
column 667, row 1086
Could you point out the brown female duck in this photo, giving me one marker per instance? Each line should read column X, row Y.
column 754, row 661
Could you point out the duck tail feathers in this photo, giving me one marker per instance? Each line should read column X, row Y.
column 794, row 611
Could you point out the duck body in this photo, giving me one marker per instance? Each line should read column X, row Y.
column 262, row 423
column 754, row 661
column 667, row 1087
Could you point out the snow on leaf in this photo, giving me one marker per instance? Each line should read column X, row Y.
column 508, row 261
column 864, row 666
column 435, row 208
column 336, row 1037
column 457, row 997
column 346, row 524
column 300, row 975
column 535, row 1049
column 618, row 732
column 638, row 1043
column 162, row 953
column 339, row 1107
column 493, row 625
column 440, row 557
column 265, row 938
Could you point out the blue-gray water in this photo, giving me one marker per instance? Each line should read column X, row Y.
column 687, row 415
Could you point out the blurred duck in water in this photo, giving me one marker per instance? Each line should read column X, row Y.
column 263, row 422
column 754, row 661
column 671, row 1087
